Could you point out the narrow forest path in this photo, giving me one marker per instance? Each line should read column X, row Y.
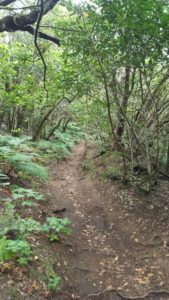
column 110, row 248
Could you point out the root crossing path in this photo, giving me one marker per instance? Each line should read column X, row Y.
column 103, row 258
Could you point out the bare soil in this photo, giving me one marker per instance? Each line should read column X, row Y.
column 119, row 245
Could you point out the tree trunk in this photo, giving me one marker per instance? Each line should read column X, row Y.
column 66, row 125
column 123, row 106
column 53, row 130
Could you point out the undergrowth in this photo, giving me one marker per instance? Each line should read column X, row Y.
column 21, row 158
column 110, row 162
column 62, row 143
column 17, row 161
column 22, row 163
column 15, row 233
column 26, row 197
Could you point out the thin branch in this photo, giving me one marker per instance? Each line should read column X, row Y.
column 42, row 35
column 19, row 8
column 37, row 46
column 6, row 2
column 59, row 28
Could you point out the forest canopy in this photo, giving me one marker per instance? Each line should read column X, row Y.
column 110, row 75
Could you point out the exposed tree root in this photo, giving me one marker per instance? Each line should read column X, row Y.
column 123, row 297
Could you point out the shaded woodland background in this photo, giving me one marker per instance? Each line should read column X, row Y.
column 110, row 76
column 94, row 72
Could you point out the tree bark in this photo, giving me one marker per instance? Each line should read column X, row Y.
column 24, row 22
column 124, row 104
column 41, row 123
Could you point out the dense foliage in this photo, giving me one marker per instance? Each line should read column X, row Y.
column 110, row 77
column 108, row 82
column 119, row 54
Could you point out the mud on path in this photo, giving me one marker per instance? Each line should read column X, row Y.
column 118, row 248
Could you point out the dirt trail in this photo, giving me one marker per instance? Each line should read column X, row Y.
column 110, row 247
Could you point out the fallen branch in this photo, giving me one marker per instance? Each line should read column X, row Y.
column 58, row 210
column 83, row 269
column 69, row 295
column 123, row 297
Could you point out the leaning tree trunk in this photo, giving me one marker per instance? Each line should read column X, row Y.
column 66, row 125
column 40, row 125
column 51, row 132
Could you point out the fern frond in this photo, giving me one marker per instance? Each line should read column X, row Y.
column 33, row 169
column 18, row 157
column 22, row 193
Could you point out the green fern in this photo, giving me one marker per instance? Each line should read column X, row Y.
column 14, row 142
column 4, row 139
column 33, row 169
column 4, row 254
column 12, row 248
column 19, row 161
column 5, row 150
column 27, row 195
column 18, row 157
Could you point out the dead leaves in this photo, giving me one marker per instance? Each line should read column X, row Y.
column 143, row 280
column 7, row 267
column 33, row 287
column 15, row 276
